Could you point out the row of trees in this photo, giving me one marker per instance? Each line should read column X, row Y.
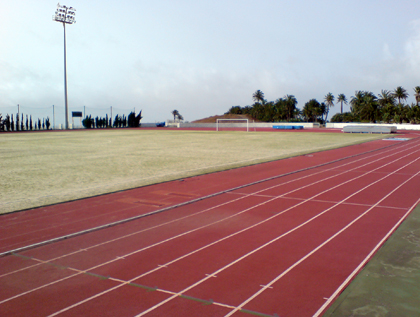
column 19, row 124
column 283, row 109
column 388, row 107
column 365, row 106
column 132, row 121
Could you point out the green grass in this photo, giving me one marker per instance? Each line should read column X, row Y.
column 45, row 168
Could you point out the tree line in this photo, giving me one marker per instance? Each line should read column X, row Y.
column 9, row 123
column 365, row 106
column 132, row 121
column 20, row 124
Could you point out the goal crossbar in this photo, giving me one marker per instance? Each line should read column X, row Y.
column 221, row 121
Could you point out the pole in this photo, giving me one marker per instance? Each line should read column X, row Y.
column 53, row 118
column 111, row 116
column 65, row 79
column 84, row 111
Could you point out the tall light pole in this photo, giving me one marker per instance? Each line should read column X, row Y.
column 66, row 16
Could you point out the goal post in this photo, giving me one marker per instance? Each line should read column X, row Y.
column 232, row 123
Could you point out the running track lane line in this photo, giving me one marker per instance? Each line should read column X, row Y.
column 79, row 272
column 362, row 264
column 175, row 295
column 268, row 243
column 185, row 203
column 202, row 211
column 85, row 271
column 238, row 308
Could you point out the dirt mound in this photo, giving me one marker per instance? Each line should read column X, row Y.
column 225, row 116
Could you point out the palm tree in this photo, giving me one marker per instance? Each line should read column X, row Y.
column 369, row 109
column 386, row 98
column 312, row 110
column 342, row 98
column 417, row 94
column 400, row 93
column 356, row 100
column 364, row 105
column 291, row 103
column 329, row 102
column 175, row 114
column 258, row 96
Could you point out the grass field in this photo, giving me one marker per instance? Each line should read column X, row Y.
column 45, row 168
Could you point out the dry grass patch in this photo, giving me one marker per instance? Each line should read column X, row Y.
column 45, row 168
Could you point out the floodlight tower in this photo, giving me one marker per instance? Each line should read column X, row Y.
column 66, row 16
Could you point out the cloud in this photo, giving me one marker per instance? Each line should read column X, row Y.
column 412, row 48
column 387, row 55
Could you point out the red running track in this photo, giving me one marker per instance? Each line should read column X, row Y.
column 285, row 246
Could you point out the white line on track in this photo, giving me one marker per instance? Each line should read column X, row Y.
column 268, row 243
column 108, row 262
column 359, row 267
column 80, row 272
column 332, row 202
column 231, row 201
column 320, row 246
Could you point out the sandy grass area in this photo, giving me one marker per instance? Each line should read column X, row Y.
column 45, row 168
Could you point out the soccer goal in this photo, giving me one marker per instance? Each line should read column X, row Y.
column 232, row 124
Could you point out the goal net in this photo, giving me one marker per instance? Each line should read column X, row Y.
column 232, row 124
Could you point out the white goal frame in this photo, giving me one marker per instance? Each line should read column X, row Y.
column 218, row 120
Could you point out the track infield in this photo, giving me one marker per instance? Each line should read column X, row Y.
column 284, row 246
column 43, row 168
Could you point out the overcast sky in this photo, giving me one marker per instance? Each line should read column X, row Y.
column 202, row 57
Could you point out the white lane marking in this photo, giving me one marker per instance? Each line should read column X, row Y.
column 220, row 239
column 366, row 259
column 259, row 248
column 207, row 246
column 211, row 243
column 320, row 246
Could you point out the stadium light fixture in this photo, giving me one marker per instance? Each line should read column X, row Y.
column 65, row 15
